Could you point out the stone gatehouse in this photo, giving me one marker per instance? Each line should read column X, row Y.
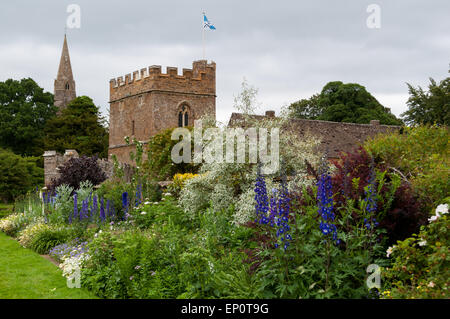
column 148, row 101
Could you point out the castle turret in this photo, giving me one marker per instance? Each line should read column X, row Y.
column 147, row 101
column 64, row 83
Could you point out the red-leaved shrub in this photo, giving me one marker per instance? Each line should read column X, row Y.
column 77, row 170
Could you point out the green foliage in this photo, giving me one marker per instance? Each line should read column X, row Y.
column 313, row 266
column 309, row 109
column 79, row 127
column 113, row 191
column 46, row 239
column 421, row 263
column 431, row 107
column 5, row 210
column 63, row 205
column 25, row 109
column 339, row 102
column 149, row 213
column 421, row 156
column 159, row 164
column 18, row 175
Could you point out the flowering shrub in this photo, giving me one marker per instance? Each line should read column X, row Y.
column 13, row 223
column 159, row 164
column 72, row 265
column 67, row 250
column 420, row 155
column 9, row 224
column 178, row 182
column 421, row 263
column 357, row 175
column 27, row 235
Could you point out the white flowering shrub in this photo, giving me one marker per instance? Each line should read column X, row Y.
column 245, row 207
column 71, row 265
column 220, row 185
column 27, row 235
column 13, row 223
column 223, row 184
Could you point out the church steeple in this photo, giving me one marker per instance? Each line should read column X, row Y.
column 64, row 83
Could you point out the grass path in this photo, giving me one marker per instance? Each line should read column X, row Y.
column 26, row 275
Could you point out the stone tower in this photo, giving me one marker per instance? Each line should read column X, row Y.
column 64, row 83
column 149, row 101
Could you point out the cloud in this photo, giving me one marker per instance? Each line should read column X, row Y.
column 288, row 50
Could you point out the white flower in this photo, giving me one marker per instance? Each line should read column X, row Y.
column 442, row 209
column 389, row 251
column 147, row 203
column 431, row 284
column 423, row 242
column 143, row 213
column 433, row 218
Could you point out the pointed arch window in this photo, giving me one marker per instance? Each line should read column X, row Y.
column 183, row 116
column 67, row 86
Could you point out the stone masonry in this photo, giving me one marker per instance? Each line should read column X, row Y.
column 335, row 137
column 53, row 160
column 148, row 101
column 64, row 83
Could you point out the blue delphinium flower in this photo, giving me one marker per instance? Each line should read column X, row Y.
column 261, row 198
column 371, row 192
column 273, row 212
column 368, row 223
column 282, row 220
column 102, row 210
column 138, row 195
column 84, row 213
column 94, row 206
column 325, row 206
column 125, row 204
column 75, row 205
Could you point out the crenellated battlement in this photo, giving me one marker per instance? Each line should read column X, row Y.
column 198, row 80
column 150, row 100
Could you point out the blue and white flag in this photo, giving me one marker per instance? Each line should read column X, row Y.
column 207, row 24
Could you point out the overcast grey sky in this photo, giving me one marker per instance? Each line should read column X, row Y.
column 287, row 49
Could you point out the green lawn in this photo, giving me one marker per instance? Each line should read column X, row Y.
column 26, row 275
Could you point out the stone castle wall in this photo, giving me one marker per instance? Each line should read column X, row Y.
column 148, row 101
column 53, row 160
column 335, row 137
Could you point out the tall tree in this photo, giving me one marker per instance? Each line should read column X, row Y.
column 79, row 127
column 432, row 107
column 24, row 111
column 341, row 102
column 18, row 175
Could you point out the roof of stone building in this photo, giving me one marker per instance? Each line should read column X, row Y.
column 335, row 137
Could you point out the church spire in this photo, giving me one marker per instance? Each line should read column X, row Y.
column 64, row 83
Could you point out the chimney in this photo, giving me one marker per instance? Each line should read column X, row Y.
column 270, row 113
column 374, row 122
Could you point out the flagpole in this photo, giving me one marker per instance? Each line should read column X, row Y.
column 203, row 35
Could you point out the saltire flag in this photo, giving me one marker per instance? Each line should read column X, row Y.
column 207, row 24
